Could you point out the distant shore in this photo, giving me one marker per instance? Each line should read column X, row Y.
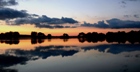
column 120, row 37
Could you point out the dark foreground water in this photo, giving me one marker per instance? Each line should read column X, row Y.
column 57, row 55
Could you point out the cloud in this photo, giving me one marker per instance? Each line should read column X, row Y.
column 114, row 23
column 7, row 13
column 53, row 26
column 100, row 24
column 16, row 17
column 127, row 16
column 4, row 3
column 43, row 21
column 125, row 1
column 136, row 16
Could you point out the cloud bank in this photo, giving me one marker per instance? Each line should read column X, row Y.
column 20, row 17
column 16, row 17
column 114, row 23
column 44, row 21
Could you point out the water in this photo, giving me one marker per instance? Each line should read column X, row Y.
column 59, row 55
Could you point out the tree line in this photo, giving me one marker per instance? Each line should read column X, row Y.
column 120, row 36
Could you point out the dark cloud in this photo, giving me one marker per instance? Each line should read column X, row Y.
column 15, row 17
column 117, row 23
column 125, row 1
column 100, row 24
column 54, row 26
column 4, row 3
column 7, row 13
column 127, row 16
column 136, row 16
column 114, row 23
column 44, row 21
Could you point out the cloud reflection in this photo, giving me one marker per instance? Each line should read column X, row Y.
column 114, row 48
column 17, row 56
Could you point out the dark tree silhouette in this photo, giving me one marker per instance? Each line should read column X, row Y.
column 89, row 36
column 101, row 37
column 65, row 36
column 120, row 37
column 81, row 35
column 16, row 35
column 33, row 34
column 49, row 36
column 41, row 35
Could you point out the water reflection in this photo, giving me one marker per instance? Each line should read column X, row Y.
column 8, row 70
column 10, row 41
column 82, row 40
column 42, row 52
column 18, row 56
column 114, row 48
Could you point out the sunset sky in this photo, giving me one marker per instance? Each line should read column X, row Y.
column 69, row 16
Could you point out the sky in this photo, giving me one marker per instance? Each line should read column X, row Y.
column 69, row 16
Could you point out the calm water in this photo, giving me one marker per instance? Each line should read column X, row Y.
column 58, row 55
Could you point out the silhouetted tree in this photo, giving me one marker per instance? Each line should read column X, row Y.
column 49, row 36
column 81, row 35
column 16, row 35
column 41, row 35
column 89, row 35
column 101, row 37
column 94, row 37
column 33, row 34
column 65, row 36
column 94, row 34
column 110, row 37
